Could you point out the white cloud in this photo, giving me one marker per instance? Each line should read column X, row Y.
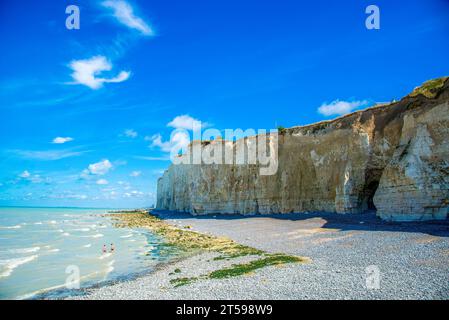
column 338, row 107
column 25, row 174
column 124, row 13
column 102, row 181
column 187, row 122
column 178, row 140
column 60, row 140
column 99, row 168
column 85, row 72
column 47, row 155
column 67, row 195
column 156, row 141
column 131, row 133
column 36, row 179
column 134, row 193
column 164, row 158
column 135, row 173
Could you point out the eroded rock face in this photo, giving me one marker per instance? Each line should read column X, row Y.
column 392, row 158
column 414, row 185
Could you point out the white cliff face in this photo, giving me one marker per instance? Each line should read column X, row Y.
column 393, row 158
column 415, row 184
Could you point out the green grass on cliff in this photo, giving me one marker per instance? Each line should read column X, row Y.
column 429, row 88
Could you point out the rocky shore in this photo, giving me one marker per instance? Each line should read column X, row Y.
column 412, row 259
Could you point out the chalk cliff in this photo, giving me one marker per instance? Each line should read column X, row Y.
column 391, row 158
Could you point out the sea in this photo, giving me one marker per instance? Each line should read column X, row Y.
column 56, row 252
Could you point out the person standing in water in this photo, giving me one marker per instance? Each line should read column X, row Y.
column 104, row 248
column 112, row 247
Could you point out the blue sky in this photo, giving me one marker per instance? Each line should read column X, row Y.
column 73, row 137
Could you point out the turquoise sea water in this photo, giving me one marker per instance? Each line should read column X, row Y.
column 41, row 247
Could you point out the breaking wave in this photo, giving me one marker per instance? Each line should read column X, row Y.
column 8, row 266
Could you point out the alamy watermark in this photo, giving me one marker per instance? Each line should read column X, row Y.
column 73, row 280
column 372, row 22
column 372, row 277
column 73, row 20
column 237, row 147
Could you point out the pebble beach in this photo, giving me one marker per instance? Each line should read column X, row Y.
column 412, row 260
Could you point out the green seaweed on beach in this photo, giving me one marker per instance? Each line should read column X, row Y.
column 186, row 240
column 193, row 242
column 245, row 268
column 241, row 269
column 178, row 282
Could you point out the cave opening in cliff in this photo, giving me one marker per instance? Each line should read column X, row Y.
column 369, row 190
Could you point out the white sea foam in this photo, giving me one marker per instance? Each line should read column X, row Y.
column 12, row 227
column 110, row 266
column 38, row 223
column 66, row 234
column 34, row 293
column 127, row 236
column 98, row 235
column 25, row 250
column 82, row 229
column 7, row 266
column 54, row 250
column 52, row 222
column 105, row 255
column 87, row 245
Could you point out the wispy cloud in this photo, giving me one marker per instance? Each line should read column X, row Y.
column 130, row 133
column 148, row 158
column 338, row 107
column 85, row 72
column 124, row 13
column 134, row 193
column 187, row 122
column 156, row 141
column 61, row 140
column 98, row 168
column 25, row 174
column 135, row 173
column 102, row 181
column 178, row 141
column 67, row 195
column 47, row 154
column 34, row 178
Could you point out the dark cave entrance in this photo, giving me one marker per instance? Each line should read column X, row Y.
column 372, row 179
column 371, row 190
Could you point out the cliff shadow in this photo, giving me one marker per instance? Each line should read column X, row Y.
column 367, row 221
